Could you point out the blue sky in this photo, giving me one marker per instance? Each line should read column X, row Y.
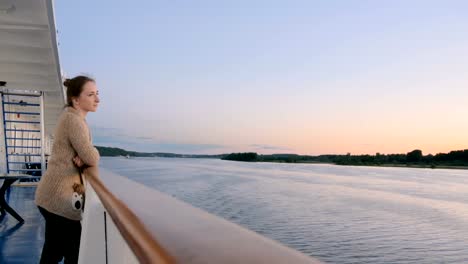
column 309, row 77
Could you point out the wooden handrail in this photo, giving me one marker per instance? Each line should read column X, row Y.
column 140, row 241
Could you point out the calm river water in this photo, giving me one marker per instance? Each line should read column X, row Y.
column 338, row 214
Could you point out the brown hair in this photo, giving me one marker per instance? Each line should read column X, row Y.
column 75, row 87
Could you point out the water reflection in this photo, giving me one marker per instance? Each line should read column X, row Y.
column 339, row 214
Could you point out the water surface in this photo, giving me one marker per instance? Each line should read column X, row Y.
column 339, row 214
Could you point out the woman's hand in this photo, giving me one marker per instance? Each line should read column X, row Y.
column 78, row 162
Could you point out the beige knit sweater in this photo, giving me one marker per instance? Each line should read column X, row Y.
column 55, row 190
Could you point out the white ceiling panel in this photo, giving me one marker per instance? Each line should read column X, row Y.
column 28, row 53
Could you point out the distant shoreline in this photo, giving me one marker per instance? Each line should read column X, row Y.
column 329, row 163
column 415, row 166
column 414, row 159
column 421, row 166
column 453, row 160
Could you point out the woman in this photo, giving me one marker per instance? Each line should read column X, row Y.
column 60, row 189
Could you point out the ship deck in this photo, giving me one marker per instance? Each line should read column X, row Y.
column 21, row 243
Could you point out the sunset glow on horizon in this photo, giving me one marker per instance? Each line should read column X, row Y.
column 304, row 77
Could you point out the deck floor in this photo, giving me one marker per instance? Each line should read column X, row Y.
column 21, row 243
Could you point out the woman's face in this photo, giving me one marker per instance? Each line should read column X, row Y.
column 88, row 100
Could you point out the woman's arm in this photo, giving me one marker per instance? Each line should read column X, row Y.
column 79, row 137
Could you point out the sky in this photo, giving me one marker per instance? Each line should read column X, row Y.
column 305, row 77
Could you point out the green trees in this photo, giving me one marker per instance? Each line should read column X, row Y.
column 246, row 156
column 414, row 156
column 111, row 152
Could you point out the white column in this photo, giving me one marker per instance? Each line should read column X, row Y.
column 3, row 165
column 43, row 139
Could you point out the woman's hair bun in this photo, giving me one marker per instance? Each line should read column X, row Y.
column 66, row 82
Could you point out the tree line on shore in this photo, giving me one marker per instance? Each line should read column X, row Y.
column 458, row 158
column 116, row 152
column 415, row 157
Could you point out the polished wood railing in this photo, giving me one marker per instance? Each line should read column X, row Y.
column 138, row 238
column 161, row 229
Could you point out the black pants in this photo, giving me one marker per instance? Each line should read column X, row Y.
column 62, row 239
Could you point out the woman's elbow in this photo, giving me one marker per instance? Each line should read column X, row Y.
column 93, row 160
